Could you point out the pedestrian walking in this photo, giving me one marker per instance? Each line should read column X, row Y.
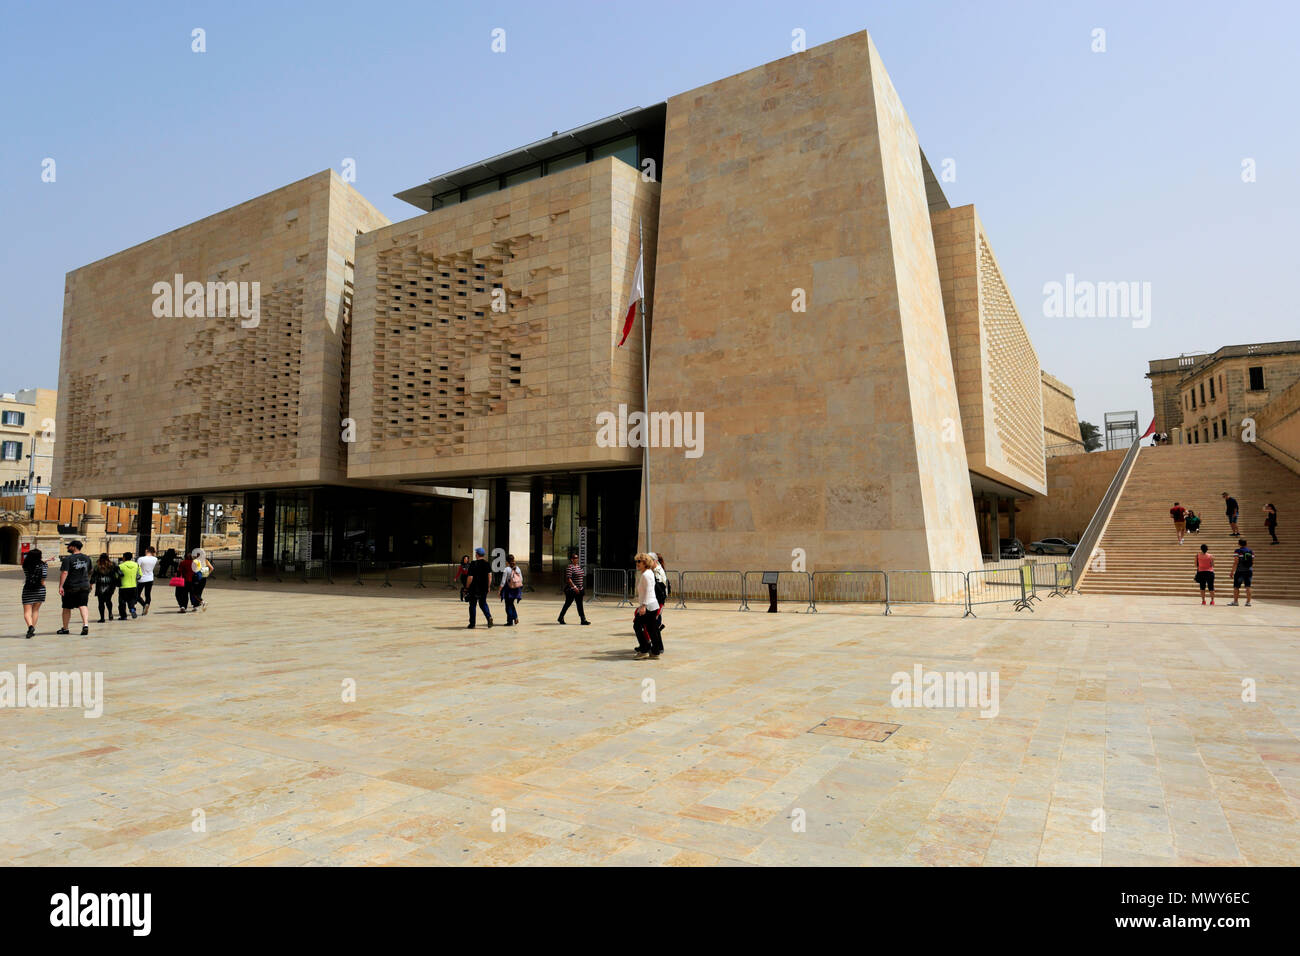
column 104, row 579
column 512, row 589
column 182, row 580
column 575, row 583
column 148, row 562
column 127, row 588
column 200, row 572
column 35, row 572
column 645, row 622
column 1232, row 510
column 168, row 564
column 1205, row 573
column 1270, row 521
column 1243, row 567
column 462, row 575
column 477, row 584
column 1179, row 514
column 661, row 586
column 74, row 587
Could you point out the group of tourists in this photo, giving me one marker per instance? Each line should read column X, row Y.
column 1243, row 558
column 476, row 579
column 130, row 578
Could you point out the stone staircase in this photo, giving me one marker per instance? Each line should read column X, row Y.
column 1142, row 555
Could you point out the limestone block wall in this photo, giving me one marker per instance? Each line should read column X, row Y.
column 998, row 376
column 1277, row 428
column 823, row 429
column 199, row 402
column 1060, row 420
column 1075, row 486
column 444, row 386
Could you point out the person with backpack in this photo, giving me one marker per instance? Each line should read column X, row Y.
column 661, row 585
column 201, row 570
column 1179, row 514
column 512, row 589
column 129, row 572
column 105, row 579
column 1205, row 573
column 1243, row 566
column 477, row 584
column 74, row 587
column 35, row 571
column 575, row 583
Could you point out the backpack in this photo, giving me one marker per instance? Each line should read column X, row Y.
column 1245, row 560
column 516, row 578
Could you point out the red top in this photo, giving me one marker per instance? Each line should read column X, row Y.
column 1205, row 562
column 1179, row 513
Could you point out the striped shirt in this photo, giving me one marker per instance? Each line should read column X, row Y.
column 575, row 575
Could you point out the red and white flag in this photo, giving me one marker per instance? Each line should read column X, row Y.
column 638, row 293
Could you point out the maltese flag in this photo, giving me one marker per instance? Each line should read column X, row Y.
column 638, row 293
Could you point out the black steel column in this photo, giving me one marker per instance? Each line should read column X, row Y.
column 268, row 530
column 500, row 516
column 193, row 523
column 248, row 532
column 143, row 525
column 535, row 491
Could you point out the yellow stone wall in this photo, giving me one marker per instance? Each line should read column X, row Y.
column 824, row 429
column 1060, row 420
column 443, row 387
column 199, row 404
column 999, row 381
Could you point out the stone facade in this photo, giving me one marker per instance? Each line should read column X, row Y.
column 1205, row 398
column 27, row 425
column 202, row 402
column 1061, row 434
column 444, row 386
column 825, row 430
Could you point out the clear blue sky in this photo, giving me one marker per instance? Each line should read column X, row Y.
column 1123, row 165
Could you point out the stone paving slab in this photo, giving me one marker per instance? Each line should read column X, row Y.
column 1121, row 737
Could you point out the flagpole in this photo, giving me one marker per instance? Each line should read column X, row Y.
column 645, row 383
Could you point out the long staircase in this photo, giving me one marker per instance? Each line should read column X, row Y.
column 1141, row 550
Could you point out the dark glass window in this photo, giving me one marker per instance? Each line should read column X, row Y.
column 482, row 189
column 624, row 149
column 446, row 199
column 566, row 162
column 524, row 175
column 1257, row 378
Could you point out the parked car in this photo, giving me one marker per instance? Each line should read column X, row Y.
column 1011, row 548
column 1052, row 546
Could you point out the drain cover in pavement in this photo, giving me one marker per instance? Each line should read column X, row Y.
column 859, row 729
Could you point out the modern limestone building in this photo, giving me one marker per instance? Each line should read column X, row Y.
column 867, row 390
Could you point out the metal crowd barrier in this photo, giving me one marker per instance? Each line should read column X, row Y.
column 700, row 586
column 849, row 587
column 926, row 587
column 604, row 583
column 1000, row 586
column 793, row 587
column 1056, row 577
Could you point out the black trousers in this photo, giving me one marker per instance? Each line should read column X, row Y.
column 146, row 593
column 126, row 597
column 648, row 636
column 105, row 602
column 571, row 598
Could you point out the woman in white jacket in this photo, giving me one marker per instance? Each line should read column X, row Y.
column 646, row 620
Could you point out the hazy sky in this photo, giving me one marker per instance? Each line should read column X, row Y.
column 1117, row 166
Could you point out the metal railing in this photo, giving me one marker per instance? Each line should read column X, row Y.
column 792, row 587
column 849, row 587
column 1092, row 534
column 926, row 587
column 1055, row 577
column 1013, row 586
column 606, row 583
column 717, row 586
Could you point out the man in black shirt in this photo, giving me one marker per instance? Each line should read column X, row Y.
column 74, row 586
column 1232, row 511
column 478, row 584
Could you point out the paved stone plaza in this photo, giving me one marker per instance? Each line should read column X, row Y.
column 1128, row 705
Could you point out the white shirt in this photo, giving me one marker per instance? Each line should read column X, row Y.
column 147, row 563
column 645, row 591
